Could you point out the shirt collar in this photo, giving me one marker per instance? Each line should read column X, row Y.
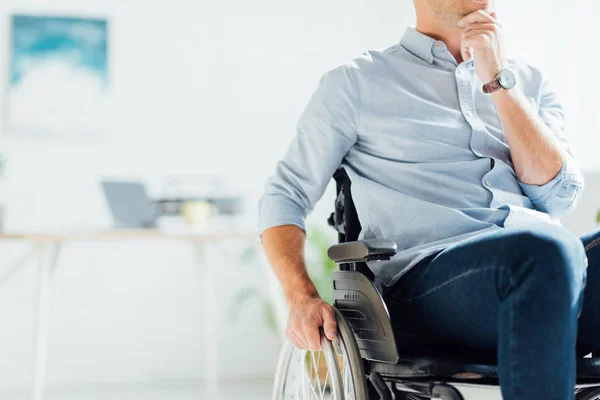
column 424, row 46
column 418, row 44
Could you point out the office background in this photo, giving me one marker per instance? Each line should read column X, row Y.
column 209, row 88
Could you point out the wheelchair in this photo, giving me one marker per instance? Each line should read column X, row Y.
column 364, row 362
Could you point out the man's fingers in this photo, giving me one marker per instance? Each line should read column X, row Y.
column 302, row 341
column 481, row 27
column 298, row 340
column 465, row 52
column 476, row 40
column 296, row 336
column 292, row 339
column 329, row 324
column 304, row 325
column 313, row 336
column 476, row 17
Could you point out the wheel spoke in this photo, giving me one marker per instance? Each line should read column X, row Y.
column 315, row 364
column 303, row 379
column 325, row 384
column 332, row 374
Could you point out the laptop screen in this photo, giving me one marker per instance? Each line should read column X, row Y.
column 130, row 206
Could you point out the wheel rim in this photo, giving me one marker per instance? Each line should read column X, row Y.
column 308, row 375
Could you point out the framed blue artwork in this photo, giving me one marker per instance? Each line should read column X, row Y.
column 59, row 77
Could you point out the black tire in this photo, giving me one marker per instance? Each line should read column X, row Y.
column 349, row 347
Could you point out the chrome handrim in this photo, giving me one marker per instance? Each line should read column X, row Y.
column 308, row 375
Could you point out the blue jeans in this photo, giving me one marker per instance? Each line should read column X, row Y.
column 517, row 293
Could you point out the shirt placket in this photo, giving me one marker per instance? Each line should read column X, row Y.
column 478, row 132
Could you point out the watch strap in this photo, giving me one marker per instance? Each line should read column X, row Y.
column 492, row 86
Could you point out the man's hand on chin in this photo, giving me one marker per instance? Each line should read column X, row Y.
column 483, row 34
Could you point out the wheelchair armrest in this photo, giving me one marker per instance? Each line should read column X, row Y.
column 362, row 250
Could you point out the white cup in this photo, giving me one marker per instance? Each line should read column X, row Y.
column 197, row 213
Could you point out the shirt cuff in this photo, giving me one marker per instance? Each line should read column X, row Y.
column 560, row 192
column 280, row 210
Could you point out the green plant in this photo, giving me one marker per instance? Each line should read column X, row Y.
column 598, row 217
column 251, row 292
column 320, row 268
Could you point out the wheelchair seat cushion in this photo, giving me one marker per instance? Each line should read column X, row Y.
column 439, row 367
column 420, row 357
column 588, row 369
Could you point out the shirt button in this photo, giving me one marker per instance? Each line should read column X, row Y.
column 478, row 154
column 437, row 45
column 488, row 183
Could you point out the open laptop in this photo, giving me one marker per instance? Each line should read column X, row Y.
column 130, row 206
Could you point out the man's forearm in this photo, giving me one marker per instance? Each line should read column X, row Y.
column 284, row 247
column 536, row 155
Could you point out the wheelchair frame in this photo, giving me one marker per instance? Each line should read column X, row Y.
column 391, row 374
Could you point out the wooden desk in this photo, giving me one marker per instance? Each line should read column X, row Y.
column 47, row 245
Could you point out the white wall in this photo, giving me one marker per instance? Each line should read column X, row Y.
column 188, row 78
column 582, row 220
column 198, row 87
column 555, row 36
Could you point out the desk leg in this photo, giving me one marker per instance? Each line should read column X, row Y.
column 47, row 257
column 210, row 324
column 16, row 267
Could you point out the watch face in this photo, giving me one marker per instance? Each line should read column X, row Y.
column 507, row 79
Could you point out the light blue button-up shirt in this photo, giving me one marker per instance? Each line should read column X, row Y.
column 424, row 149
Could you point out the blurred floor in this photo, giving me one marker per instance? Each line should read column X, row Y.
column 243, row 391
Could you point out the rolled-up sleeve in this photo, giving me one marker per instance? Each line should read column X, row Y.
column 561, row 194
column 326, row 130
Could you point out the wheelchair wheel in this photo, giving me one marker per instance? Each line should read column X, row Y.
column 592, row 393
column 302, row 374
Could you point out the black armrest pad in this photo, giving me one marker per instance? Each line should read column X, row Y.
column 362, row 250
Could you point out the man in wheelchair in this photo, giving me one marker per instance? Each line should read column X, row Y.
column 457, row 154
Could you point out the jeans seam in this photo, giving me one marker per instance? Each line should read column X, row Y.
column 449, row 281
column 512, row 351
column 511, row 343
